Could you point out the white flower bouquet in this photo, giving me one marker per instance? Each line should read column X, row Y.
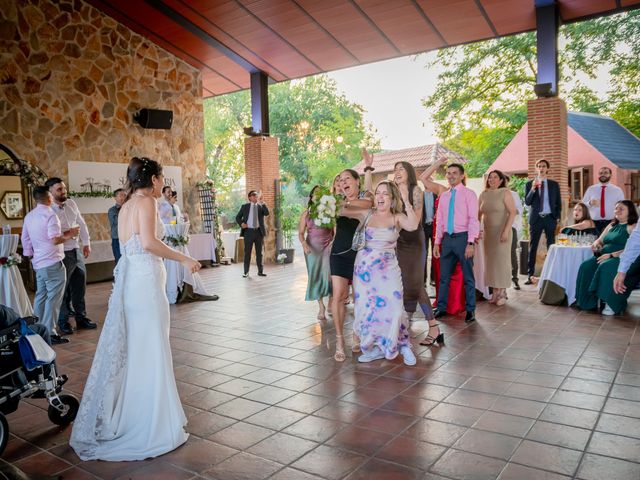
column 324, row 208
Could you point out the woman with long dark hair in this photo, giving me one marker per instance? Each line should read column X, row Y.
column 595, row 277
column 496, row 213
column 130, row 407
column 582, row 223
column 342, row 255
column 317, row 251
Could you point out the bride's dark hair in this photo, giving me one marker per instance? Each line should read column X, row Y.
column 141, row 172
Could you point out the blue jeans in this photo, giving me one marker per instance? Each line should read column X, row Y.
column 50, row 282
column 115, row 248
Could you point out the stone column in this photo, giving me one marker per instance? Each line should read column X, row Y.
column 548, row 139
column 262, row 169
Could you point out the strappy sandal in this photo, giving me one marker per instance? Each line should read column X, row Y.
column 355, row 347
column 339, row 355
column 430, row 341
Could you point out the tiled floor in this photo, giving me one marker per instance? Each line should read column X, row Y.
column 527, row 392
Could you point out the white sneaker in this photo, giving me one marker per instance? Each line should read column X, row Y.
column 408, row 356
column 607, row 310
column 375, row 354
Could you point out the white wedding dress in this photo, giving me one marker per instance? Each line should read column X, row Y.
column 130, row 409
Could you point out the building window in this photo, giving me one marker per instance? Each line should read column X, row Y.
column 579, row 180
column 635, row 187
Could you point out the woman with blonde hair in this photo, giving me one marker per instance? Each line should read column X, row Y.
column 380, row 320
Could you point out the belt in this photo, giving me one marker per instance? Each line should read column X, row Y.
column 428, row 223
column 542, row 215
column 458, row 234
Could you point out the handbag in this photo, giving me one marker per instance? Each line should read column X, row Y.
column 34, row 350
column 359, row 236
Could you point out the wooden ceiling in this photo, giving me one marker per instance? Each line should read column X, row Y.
column 227, row 39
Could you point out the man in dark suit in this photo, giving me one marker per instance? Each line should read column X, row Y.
column 251, row 221
column 543, row 196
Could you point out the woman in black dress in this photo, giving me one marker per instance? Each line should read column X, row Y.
column 342, row 256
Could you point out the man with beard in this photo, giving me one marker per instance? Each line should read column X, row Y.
column 601, row 199
column 69, row 215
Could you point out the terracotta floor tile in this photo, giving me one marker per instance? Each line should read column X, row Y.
column 530, row 392
column 359, row 440
column 518, row 406
column 556, row 459
column 198, row 455
column 293, row 474
column 622, row 407
column 470, row 398
column 329, row 462
column 596, row 467
column 626, row 392
column 431, row 431
column 578, row 400
column 42, row 463
column 411, row 452
column 386, row 421
column 619, row 425
column 239, row 408
column 575, row 417
column 204, row 424
column 486, row 385
column 380, row 470
column 74, row 473
column 463, row 465
column 520, row 472
column 282, row 448
column 561, row 435
column 275, row 418
column 243, row 466
column 617, row 446
column 343, row 411
column 504, row 423
column 487, row 443
column 313, row 428
column 17, row 448
column 418, row 407
column 158, row 470
column 305, row 403
column 238, row 386
column 369, row 397
column 241, row 435
column 446, row 412
column 207, row 399
column 428, row 391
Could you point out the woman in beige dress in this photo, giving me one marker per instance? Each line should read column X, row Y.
column 496, row 213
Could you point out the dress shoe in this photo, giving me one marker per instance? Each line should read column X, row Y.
column 65, row 328
column 260, row 274
column 529, row 281
column 438, row 314
column 84, row 322
column 58, row 340
column 245, row 275
column 471, row 317
column 516, row 285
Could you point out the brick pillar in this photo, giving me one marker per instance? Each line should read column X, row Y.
column 262, row 169
column 548, row 139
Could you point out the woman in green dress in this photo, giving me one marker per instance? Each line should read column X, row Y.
column 595, row 277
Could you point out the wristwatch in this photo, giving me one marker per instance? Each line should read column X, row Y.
column 470, row 244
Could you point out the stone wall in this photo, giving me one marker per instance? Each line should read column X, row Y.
column 71, row 79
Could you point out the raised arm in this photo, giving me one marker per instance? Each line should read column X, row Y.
column 368, row 170
column 426, row 175
column 410, row 220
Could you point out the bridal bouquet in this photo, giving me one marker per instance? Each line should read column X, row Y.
column 11, row 260
column 324, row 208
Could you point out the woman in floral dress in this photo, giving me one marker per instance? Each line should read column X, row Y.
column 380, row 320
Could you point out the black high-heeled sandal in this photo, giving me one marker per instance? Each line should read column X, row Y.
column 430, row 341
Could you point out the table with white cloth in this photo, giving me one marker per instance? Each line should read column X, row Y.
column 229, row 242
column 478, row 270
column 559, row 273
column 202, row 246
column 177, row 275
column 12, row 291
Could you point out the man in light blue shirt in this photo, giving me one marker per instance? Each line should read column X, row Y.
column 629, row 268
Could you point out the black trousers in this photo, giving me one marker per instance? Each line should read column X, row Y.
column 75, row 288
column 514, row 254
column 252, row 236
column 428, row 240
column 451, row 252
column 543, row 224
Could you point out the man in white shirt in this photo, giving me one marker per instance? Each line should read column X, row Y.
column 70, row 217
column 165, row 209
column 252, row 229
column 601, row 199
column 516, row 231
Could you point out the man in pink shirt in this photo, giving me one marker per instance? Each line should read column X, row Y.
column 42, row 239
column 457, row 229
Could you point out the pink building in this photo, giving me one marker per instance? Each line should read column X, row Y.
column 594, row 141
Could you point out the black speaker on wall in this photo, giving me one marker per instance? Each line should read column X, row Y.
column 150, row 118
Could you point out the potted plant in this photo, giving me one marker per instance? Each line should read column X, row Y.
column 288, row 216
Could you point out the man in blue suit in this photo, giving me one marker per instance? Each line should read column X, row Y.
column 543, row 196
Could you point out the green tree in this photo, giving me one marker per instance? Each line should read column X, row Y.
column 320, row 132
column 482, row 92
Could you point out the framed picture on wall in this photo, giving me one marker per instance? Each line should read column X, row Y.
column 12, row 205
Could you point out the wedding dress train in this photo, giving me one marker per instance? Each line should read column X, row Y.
column 130, row 408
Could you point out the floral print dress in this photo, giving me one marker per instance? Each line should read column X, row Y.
column 379, row 310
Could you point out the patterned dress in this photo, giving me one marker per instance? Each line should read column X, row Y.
column 379, row 310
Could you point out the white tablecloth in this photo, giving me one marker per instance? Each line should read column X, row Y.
column 12, row 291
column 202, row 246
column 561, row 267
column 478, row 270
column 229, row 243
column 177, row 275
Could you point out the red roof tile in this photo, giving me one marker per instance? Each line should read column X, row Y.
column 420, row 157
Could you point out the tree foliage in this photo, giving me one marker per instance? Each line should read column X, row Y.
column 481, row 95
column 320, row 132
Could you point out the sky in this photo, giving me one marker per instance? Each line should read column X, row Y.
column 391, row 93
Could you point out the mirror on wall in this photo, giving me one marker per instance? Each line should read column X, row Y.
column 14, row 193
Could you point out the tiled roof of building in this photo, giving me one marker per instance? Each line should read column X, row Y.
column 610, row 138
column 420, row 157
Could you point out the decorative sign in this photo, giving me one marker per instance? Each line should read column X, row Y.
column 95, row 182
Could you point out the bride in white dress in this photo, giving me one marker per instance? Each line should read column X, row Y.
column 130, row 408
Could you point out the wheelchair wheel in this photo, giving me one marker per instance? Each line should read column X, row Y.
column 59, row 418
column 4, row 433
